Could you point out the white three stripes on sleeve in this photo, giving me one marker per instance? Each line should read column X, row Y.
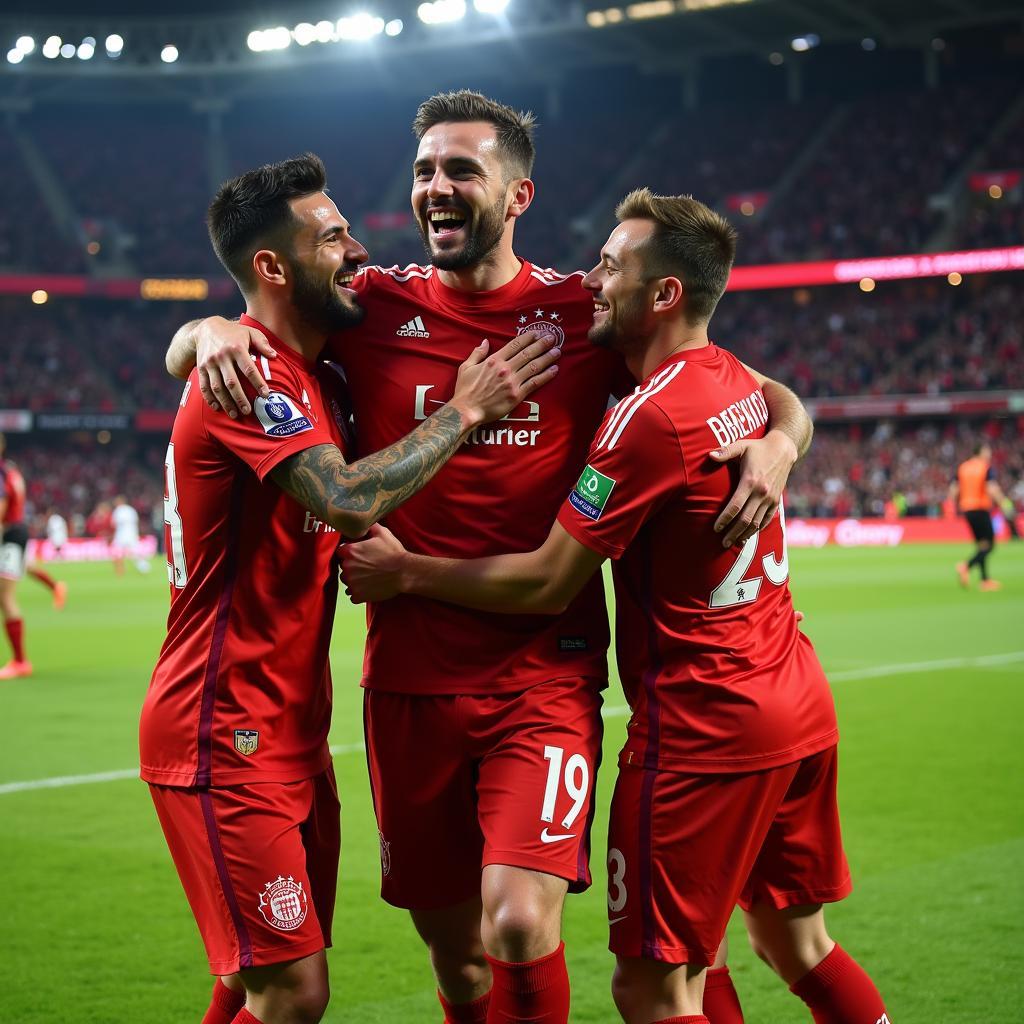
column 628, row 406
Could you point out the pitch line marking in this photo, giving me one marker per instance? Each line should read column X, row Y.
column 610, row 711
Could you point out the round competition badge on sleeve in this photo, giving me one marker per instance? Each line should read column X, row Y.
column 280, row 416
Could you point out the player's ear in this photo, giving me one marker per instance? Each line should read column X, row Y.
column 520, row 196
column 269, row 267
column 668, row 295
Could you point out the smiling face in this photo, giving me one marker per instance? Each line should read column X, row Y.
column 324, row 258
column 623, row 293
column 460, row 193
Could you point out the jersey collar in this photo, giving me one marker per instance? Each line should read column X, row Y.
column 496, row 298
column 279, row 346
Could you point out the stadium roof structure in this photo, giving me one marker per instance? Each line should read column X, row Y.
column 65, row 52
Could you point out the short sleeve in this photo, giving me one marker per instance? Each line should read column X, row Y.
column 635, row 463
column 279, row 426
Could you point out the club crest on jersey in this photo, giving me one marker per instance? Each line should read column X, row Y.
column 283, row 904
column 247, row 740
column 591, row 493
column 541, row 320
column 280, row 416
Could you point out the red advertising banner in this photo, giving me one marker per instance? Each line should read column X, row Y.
column 883, row 533
column 982, row 181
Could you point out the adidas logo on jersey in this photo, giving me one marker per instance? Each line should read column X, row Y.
column 415, row 328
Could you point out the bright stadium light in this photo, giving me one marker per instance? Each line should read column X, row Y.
column 25, row 45
column 255, row 41
column 67, row 51
column 490, row 6
column 15, row 56
column 441, row 11
column 394, row 27
column 51, row 48
column 114, row 44
column 324, row 31
column 359, row 27
column 304, row 33
column 278, row 38
column 169, row 54
column 87, row 48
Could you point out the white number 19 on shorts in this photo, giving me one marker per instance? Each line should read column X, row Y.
column 575, row 778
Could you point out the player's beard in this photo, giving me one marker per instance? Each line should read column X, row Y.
column 482, row 239
column 320, row 305
column 622, row 325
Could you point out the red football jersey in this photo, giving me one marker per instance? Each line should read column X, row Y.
column 716, row 672
column 500, row 491
column 12, row 487
column 242, row 690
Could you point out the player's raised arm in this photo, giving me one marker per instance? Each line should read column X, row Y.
column 351, row 497
column 221, row 349
column 765, row 463
column 543, row 581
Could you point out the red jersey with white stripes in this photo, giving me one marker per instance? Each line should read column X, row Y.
column 242, row 690
column 499, row 492
column 716, row 672
column 12, row 487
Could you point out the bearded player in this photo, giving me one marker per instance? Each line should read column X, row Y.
column 233, row 736
column 726, row 788
column 484, row 829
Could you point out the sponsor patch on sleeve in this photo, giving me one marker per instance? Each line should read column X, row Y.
column 591, row 494
column 280, row 416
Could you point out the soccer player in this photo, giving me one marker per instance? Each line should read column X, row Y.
column 125, row 519
column 976, row 490
column 233, row 732
column 727, row 782
column 484, row 828
column 13, row 541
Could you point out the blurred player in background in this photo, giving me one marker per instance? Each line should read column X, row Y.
column 56, row 532
column 13, row 542
column 57, row 535
column 471, row 842
column 125, row 521
column 233, row 736
column 976, row 491
column 727, row 782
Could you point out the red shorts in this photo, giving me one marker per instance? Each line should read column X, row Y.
column 259, row 865
column 684, row 849
column 460, row 782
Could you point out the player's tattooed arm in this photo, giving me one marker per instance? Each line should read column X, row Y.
column 222, row 350
column 543, row 581
column 351, row 497
column 765, row 463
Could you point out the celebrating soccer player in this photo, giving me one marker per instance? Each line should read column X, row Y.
column 976, row 492
column 484, row 826
column 727, row 783
column 234, row 727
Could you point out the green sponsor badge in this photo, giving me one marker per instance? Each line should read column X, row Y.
column 593, row 489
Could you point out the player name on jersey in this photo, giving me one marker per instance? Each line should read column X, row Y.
column 740, row 419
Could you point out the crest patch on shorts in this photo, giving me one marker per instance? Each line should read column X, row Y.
column 283, row 904
column 247, row 740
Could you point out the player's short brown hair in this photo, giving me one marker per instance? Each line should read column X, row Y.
column 513, row 128
column 691, row 241
column 251, row 211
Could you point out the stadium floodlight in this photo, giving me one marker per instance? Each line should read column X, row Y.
column 15, row 56
column 279, row 38
column 169, row 54
column 255, row 41
column 359, row 27
column 441, row 11
column 868, row 44
column 87, row 48
column 67, row 51
column 324, row 31
column 51, row 48
column 304, row 33
column 490, row 6
column 114, row 44
column 801, row 44
column 25, row 45
column 394, row 27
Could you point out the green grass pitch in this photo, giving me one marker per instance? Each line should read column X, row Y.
column 928, row 680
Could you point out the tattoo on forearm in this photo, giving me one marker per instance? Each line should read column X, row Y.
column 323, row 482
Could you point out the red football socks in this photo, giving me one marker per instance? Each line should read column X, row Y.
column 44, row 577
column 466, row 1013
column 224, row 1004
column 721, row 1003
column 839, row 991
column 245, row 1017
column 16, row 634
column 532, row 993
